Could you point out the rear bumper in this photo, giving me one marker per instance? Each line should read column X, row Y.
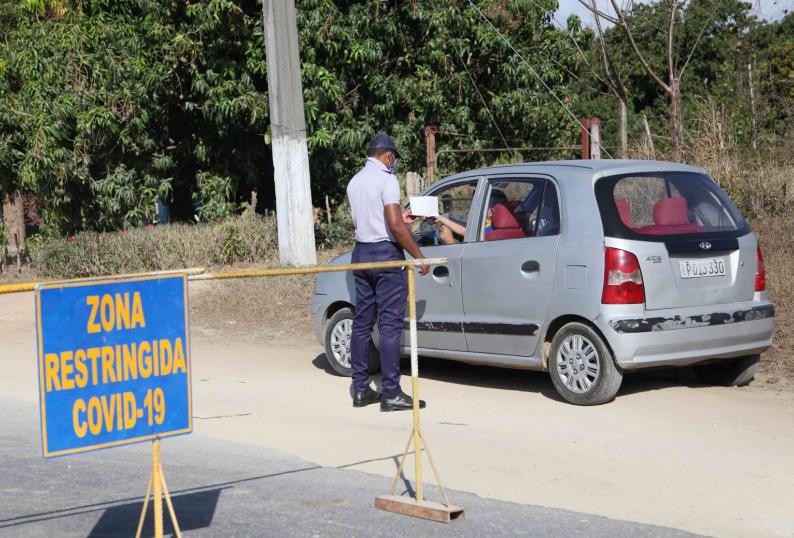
column 685, row 336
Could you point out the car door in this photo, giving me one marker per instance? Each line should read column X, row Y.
column 508, row 272
column 439, row 304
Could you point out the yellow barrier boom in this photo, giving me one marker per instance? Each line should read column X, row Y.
column 19, row 287
column 199, row 273
column 288, row 271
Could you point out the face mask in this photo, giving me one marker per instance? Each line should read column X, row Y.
column 392, row 168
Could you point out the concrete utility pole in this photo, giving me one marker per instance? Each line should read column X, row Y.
column 294, row 214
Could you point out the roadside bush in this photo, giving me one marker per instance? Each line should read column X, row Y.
column 340, row 232
column 214, row 199
column 777, row 242
column 760, row 187
column 248, row 239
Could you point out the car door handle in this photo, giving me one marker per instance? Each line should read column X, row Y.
column 530, row 269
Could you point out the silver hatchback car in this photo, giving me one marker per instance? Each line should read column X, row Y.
column 584, row 269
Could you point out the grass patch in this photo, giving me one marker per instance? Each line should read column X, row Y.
column 249, row 239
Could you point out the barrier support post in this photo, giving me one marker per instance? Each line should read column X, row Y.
column 418, row 506
column 158, row 484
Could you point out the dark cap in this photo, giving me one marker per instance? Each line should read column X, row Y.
column 383, row 141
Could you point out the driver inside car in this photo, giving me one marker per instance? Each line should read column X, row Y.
column 451, row 231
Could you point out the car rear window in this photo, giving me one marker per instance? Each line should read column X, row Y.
column 666, row 205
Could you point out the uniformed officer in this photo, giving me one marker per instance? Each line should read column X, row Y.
column 381, row 235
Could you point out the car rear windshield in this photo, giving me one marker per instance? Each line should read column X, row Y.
column 659, row 205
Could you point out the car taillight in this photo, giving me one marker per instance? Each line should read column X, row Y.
column 760, row 271
column 622, row 278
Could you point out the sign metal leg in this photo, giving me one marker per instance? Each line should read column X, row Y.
column 158, row 490
column 145, row 506
column 158, row 484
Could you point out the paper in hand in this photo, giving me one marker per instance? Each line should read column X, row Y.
column 424, row 206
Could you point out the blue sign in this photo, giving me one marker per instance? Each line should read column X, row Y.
column 114, row 362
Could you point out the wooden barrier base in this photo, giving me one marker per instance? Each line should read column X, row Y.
column 426, row 510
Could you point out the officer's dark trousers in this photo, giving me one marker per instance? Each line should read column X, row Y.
column 380, row 295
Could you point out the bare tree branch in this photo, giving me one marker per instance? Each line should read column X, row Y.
column 616, row 84
column 697, row 42
column 598, row 13
column 671, row 28
column 623, row 23
column 581, row 52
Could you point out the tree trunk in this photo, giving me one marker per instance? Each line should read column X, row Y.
column 677, row 119
column 622, row 120
column 648, row 137
column 14, row 217
column 752, row 105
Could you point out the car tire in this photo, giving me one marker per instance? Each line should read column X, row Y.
column 582, row 367
column 729, row 372
column 338, row 331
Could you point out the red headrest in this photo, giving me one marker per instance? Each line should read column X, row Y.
column 624, row 210
column 671, row 212
column 501, row 217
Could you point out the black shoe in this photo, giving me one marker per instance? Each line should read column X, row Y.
column 401, row 402
column 365, row 397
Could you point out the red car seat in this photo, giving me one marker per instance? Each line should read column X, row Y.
column 624, row 210
column 504, row 224
column 671, row 216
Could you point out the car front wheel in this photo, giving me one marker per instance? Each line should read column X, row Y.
column 338, row 335
column 582, row 367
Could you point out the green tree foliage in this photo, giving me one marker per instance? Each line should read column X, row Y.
column 108, row 106
column 728, row 38
column 401, row 66
column 771, row 56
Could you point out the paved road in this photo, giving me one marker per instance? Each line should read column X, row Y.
column 227, row 489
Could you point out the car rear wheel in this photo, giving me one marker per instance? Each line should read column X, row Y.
column 338, row 334
column 582, row 367
column 729, row 372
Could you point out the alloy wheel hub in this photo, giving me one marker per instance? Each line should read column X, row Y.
column 578, row 364
column 341, row 336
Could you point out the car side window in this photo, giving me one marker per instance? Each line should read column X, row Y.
column 549, row 213
column 517, row 209
column 454, row 206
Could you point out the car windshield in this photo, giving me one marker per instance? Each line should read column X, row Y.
column 666, row 204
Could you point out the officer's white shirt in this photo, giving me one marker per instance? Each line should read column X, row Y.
column 369, row 190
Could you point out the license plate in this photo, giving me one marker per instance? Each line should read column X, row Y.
column 702, row 268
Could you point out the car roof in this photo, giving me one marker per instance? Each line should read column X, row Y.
column 588, row 168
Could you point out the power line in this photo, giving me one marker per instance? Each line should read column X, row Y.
column 493, row 119
column 532, row 70
column 576, row 44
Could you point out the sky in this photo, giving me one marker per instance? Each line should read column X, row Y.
column 764, row 9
